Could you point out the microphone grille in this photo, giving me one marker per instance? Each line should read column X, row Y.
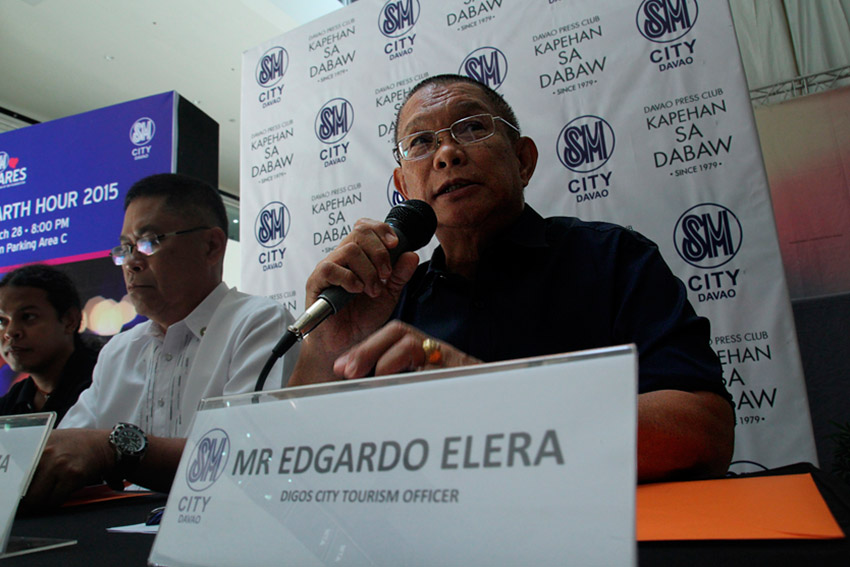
column 416, row 220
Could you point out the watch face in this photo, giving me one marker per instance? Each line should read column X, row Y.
column 129, row 440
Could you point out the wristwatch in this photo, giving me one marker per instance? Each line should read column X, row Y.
column 130, row 445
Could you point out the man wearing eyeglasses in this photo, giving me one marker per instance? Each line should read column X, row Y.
column 202, row 339
column 506, row 283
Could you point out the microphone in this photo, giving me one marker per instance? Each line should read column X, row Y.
column 413, row 222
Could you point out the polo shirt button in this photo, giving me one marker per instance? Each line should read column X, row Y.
column 160, row 402
column 168, row 357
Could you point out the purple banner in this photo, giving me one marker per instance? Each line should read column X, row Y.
column 62, row 183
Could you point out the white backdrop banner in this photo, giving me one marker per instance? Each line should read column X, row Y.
column 640, row 112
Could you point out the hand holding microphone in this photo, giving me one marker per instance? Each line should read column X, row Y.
column 362, row 263
column 413, row 223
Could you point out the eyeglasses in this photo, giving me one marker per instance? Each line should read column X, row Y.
column 469, row 130
column 146, row 245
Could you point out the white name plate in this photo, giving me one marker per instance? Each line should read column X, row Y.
column 22, row 439
column 523, row 462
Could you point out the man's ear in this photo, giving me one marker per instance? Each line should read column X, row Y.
column 71, row 321
column 398, row 181
column 526, row 153
column 216, row 242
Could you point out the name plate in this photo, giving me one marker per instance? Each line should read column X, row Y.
column 521, row 462
column 22, row 439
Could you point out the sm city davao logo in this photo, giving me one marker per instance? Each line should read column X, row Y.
column 272, row 67
column 486, row 65
column 142, row 131
column 708, row 235
column 397, row 17
column 208, row 460
column 272, row 224
column 270, row 70
column 663, row 21
column 334, row 120
column 585, row 144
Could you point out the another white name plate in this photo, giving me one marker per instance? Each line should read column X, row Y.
column 22, row 439
column 516, row 463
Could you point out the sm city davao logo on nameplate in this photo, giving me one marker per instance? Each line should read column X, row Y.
column 208, row 460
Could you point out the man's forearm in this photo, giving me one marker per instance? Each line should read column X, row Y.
column 156, row 471
column 314, row 365
column 684, row 435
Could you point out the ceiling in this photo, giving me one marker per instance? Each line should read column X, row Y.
column 64, row 57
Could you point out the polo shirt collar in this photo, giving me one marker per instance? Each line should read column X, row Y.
column 201, row 316
column 528, row 231
column 196, row 321
column 23, row 402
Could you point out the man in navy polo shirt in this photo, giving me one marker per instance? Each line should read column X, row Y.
column 506, row 283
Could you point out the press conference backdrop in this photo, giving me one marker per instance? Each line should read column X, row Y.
column 640, row 112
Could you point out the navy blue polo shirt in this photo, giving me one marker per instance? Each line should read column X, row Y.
column 554, row 285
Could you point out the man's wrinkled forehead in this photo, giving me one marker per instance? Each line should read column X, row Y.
column 148, row 215
column 461, row 99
